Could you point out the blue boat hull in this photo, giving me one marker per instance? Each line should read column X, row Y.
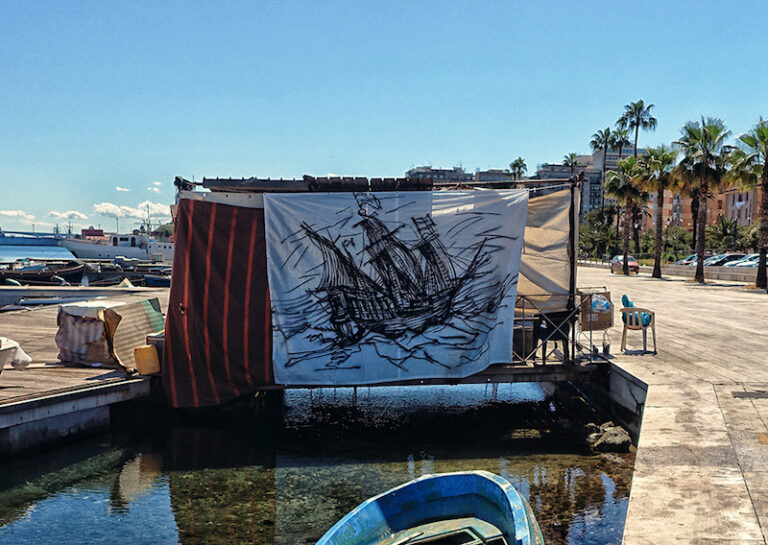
column 477, row 494
column 157, row 281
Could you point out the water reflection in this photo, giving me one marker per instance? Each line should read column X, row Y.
column 196, row 484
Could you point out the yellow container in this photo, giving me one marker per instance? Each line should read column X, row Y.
column 147, row 362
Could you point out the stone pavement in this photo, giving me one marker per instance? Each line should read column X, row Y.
column 701, row 472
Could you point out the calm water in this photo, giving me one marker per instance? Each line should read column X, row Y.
column 9, row 254
column 243, row 482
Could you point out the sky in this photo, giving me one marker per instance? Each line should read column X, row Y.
column 103, row 103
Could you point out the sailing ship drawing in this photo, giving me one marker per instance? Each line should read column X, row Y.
column 394, row 284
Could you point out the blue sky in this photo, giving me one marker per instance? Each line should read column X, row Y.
column 101, row 95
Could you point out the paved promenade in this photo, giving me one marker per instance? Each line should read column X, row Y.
column 701, row 473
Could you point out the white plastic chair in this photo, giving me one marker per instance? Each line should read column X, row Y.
column 633, row 319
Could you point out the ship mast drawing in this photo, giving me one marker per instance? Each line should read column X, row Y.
column 401, row 286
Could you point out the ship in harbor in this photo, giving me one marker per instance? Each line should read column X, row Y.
column 137, row 245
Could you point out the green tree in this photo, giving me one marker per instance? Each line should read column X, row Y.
column 518, row 168
column 677, row 239
column 723, row 235
column 596, row 235
column 620, row 185
column 620, row 140
column 648, row 241
column 749, row 237
column 164, row 231
column 750, row 169
column 571, row 160
column 612, row 210
column 656, row 167
column 639, row 209
column 601, row 141
column 704, row 165
column 637, row 116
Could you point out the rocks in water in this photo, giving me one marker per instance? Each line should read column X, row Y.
column 608, row 437
column 591, row 428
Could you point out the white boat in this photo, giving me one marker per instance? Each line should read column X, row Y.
column 138, row 246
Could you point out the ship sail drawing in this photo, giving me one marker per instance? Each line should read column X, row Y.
column 383, row 283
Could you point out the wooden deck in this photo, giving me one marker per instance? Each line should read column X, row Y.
column 701, row 472
column 48, row 390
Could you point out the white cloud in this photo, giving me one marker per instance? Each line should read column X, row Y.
column 156, row 209
column 118, row 188
column 153, row 209
column 68, row 215
column 157, row 183
column 17, row 214
column 108, row 209
column 154, row 188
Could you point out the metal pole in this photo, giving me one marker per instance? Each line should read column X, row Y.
column 572, row 242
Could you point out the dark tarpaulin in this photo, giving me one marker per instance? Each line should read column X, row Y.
column 218, row 331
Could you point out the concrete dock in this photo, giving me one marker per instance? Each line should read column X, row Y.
column 49, row 400
column 701, row 472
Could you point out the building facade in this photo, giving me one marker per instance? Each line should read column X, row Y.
column 591, row 189
column 440, row 175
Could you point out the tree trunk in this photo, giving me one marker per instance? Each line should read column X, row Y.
column 659, row 219
column 762, row 238
column 695, row 217
column 627, row 219
column 602, row 188
column 635, row 227
column 701, row 234
column 637, row 130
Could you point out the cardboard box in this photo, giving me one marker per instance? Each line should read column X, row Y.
column 595, row 313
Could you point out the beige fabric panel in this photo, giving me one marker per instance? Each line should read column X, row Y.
column 545, row 269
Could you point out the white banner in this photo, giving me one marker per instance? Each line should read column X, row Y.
column 377, row 287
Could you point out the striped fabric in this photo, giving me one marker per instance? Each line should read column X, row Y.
column 218, row 328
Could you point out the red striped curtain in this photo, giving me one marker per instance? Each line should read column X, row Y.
column 218, row 328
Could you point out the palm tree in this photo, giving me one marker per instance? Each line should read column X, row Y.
column 704, row 164
column 613, row 210
column 571, row 160
column 619, row 140
column 638, row 208
column 637, row 116
column 657, row 166
column 750, row 168
column 620, row 185
column 601, row 141
column 518, row 168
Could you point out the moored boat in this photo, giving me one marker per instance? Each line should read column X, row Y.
column 136, row 246
column 470, row 508
column 44, row 273
column 157, row 280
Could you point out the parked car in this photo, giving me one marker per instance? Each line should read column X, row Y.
column 617, row 264
column 749, row 262
column 685, row 260
column 721, row 259
column 695, row 260
column 746, row 259
column 710, row 260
